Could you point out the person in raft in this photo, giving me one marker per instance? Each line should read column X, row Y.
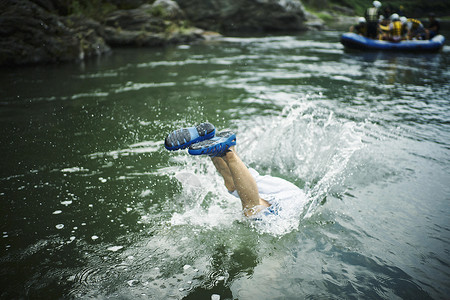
column 259, row 195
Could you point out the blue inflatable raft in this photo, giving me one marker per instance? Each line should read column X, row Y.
column 355, row 41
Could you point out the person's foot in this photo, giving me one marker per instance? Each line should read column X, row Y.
column 217, row 146
column 183, row 138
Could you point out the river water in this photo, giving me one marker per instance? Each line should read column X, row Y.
column 93, row 206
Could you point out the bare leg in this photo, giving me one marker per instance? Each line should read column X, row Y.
column 223, row 169
column 237, row 176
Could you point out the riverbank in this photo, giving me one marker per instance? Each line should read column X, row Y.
column 38, row 32
column 53, row 31
column 46, row 31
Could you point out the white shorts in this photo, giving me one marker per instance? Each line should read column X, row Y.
column 275, row 191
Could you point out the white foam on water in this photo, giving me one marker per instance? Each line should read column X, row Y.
column 204, row 199
column 305, row 143
column 133, row 86
column 74, row 169
column 138, row 148
column 214, row 216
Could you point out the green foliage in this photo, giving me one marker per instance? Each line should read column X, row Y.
column 411, row 8
column 157, row 11
column 359, row 6
column 315, row 4
column 95, row 9
column 324, row 16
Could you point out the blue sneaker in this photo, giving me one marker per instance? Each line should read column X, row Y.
column 183, row 138
column 217, row 146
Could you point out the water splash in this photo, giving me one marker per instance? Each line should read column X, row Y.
column 204, row 200
column 306, row 144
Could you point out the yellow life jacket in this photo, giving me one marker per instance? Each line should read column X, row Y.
column 415, row 23
column 397, row 28
column 384, row 28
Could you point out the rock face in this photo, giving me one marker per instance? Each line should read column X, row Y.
column 30, row 34
column 149, row 25
column 34, row 32
column 42, row 31
column 245, row 15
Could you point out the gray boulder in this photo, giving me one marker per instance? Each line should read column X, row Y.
column 31, row 34
column 34, row 32
column 169, row 8
column 149, row 25
column 245, row 15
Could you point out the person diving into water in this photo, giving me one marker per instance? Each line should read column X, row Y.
column 259, row 195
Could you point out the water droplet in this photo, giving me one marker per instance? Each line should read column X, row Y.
column 132, row 282
column 59, row 226
column 115, row 248
column 94, row 237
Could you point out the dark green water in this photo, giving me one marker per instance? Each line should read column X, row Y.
column 91, row 207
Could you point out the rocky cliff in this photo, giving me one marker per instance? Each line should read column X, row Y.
column 48, row 31
column 245, row 15
column 30, row 34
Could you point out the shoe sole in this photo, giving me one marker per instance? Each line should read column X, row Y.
column 215, row 146
column 185, row 137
